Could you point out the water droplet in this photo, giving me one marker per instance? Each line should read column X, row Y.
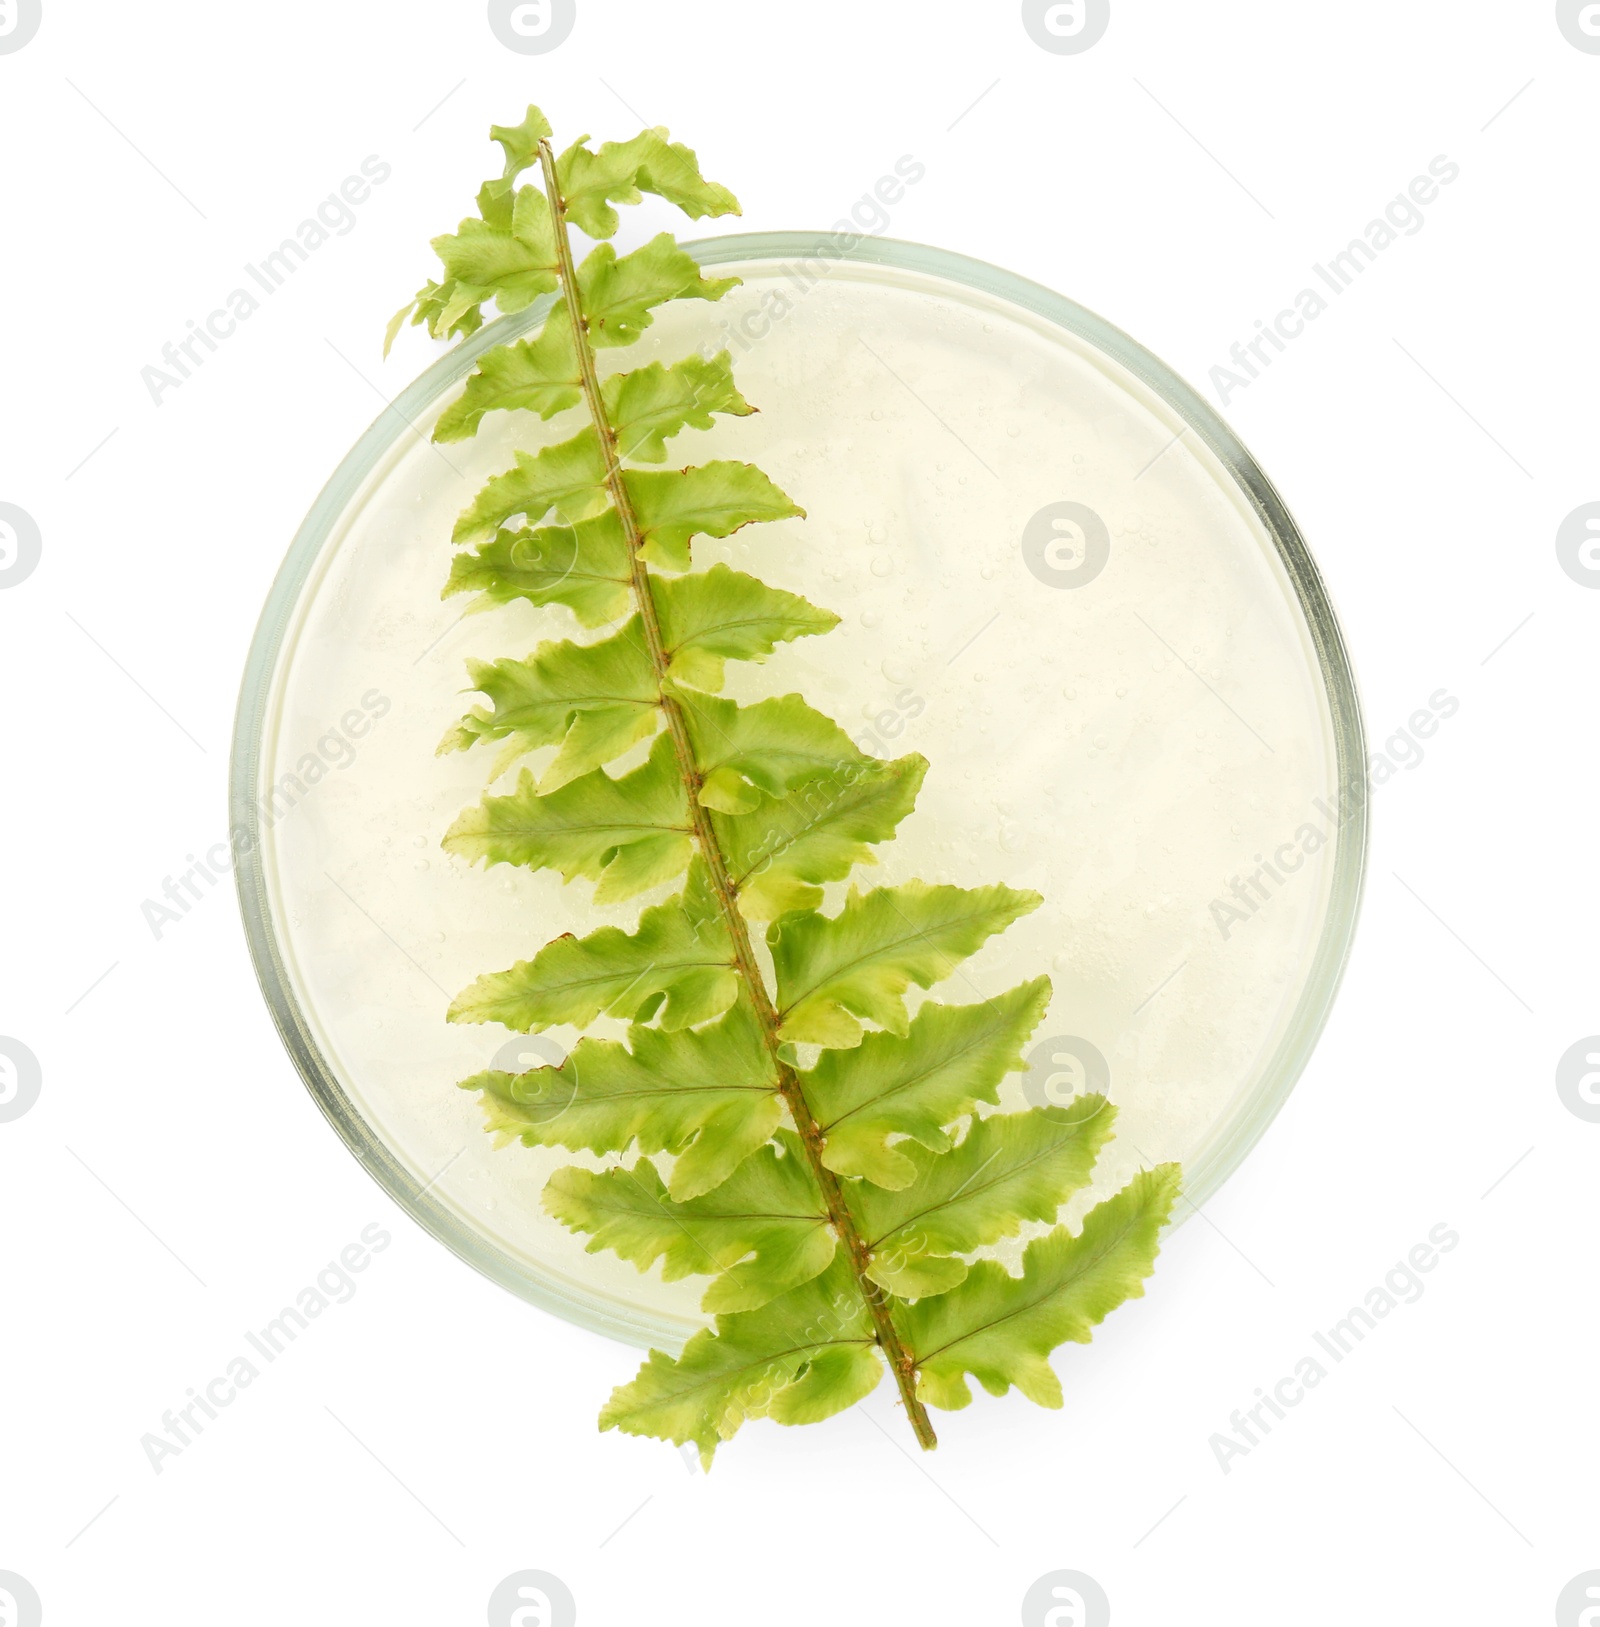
column 882, row 565
column 1122, row 691
column 1013, row 430
column 1069, row 693
column 419, row 841
column 896, row 672
column 877, row 415
column 421, row 864
column 1101, row 742
column 870, row 618
column 877, row 533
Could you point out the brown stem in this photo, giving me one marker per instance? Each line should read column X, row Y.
column 901, row 1362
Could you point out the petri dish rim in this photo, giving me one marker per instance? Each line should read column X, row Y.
column 1227, row 1147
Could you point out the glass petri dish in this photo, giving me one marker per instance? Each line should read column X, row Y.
column 1062, row 579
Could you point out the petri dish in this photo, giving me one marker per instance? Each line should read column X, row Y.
column 1062, row 580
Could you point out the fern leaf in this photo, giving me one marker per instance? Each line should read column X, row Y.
column 763, row 1231
column 430, row 305
column 520, row 142
column 723, row 615
column 517, row 269
column 511, row 261
column 539, row 375
column 678, row 963
column 594, row 700
column 650, row 405
column 1000, row 1329
column 619, row 294
column 585, row 567
column 626, row 834
column 621, row 170
column 712, row 500
column 1011, row 1168
column 835, row 1210
column 779, row 855
column 770, row 747
column 569, row 476
column 950, row 1059
column 804, row 1357
column 705, row 1095
column 859, row 963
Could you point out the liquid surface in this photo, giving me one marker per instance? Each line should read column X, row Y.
column 1128, row 724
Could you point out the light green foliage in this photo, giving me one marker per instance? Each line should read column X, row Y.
column 859, row 963
column 520, row 142
column 620, row 294
column 835, row 1207
column 747, row 752
column 911, row 1086
column 648, row 406
column 593, row 700
column 586, row 567
column 623, row 834
column 1010, row 1168
column 705, row 1095
column 567, row 478
column 763, row 1231
column 1001, row 1328
column 781, row 851
column 712, row 500
column 678, row 964
column 798, row 1360
column 723, row 615
column 538, row 375
column 621, row 170
column 507, row 260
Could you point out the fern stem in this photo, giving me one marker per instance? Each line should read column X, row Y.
column 901, row 1362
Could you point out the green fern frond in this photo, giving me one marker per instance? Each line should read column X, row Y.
column 837, row 1208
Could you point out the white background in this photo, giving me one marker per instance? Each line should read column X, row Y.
column 175, row 1185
